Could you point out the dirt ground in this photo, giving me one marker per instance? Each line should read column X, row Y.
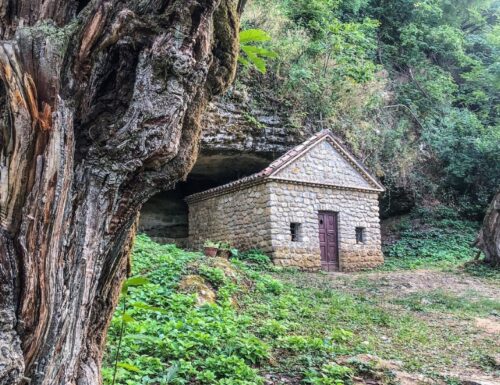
column 401, row 283
column 390, row 290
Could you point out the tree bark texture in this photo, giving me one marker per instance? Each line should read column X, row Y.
column 488, row 240
column 100, row 103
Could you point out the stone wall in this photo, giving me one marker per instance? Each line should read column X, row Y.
column 291, row 203
column 260, row 216
column 324, row 164
column 241, row 218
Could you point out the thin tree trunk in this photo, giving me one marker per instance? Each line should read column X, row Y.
column 100, row 104
column 488, row 240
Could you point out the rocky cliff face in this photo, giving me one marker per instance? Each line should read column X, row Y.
column 233, row 125
column 238, row 140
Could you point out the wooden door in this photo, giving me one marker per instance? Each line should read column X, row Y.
column 328, row 240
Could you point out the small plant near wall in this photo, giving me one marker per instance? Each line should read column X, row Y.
column 213, row 275
column 329, row 374
column 210, row 248
column 224, row 250
column 255, row 257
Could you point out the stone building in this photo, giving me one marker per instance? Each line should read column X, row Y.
column 314, row 207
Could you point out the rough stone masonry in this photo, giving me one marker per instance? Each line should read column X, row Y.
column 257, row 212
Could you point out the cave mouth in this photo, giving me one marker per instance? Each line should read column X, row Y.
column 165, row 216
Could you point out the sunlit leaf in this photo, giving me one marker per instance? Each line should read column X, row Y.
column 253, row 35
column 127, row 318
column 259, row 51
column 129, row 367
column 134, row 281
column 145, row 306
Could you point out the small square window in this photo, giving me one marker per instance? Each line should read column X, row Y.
column 295, row 232
column 360, row 235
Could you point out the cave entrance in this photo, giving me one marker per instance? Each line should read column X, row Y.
column 165, row 216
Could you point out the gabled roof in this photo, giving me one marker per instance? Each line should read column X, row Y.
column 270, row 171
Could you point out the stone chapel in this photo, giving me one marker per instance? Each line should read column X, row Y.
column 315, row 207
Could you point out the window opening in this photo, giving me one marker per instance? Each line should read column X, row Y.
column 360, row 235
column 295, row 232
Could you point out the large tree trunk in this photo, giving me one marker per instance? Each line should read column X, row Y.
column 488, row 240
column 100, row 103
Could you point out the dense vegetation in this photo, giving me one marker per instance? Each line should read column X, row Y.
column 429, row 238
column 283, row 326
column 412, row 85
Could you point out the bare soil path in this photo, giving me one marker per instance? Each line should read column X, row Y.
column 395, row 284
column 460, row 312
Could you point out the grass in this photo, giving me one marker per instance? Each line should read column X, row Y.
column 395, row 330
column 266, row 322
column 441, row 301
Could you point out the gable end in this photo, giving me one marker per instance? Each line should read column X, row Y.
column 326, row 162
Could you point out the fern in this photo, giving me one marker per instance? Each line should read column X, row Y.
column 254, row 55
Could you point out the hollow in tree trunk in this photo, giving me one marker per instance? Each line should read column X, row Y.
column 100, row 103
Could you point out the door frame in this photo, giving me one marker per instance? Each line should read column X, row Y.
column 337, row 216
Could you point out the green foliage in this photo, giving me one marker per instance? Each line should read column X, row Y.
column 411, row 85
column 479, row 269
column 293, row 324
column 469, row 155
column 318, row 53
column 225, row 245
column 432, row 238
column 214, row 275
column 164, row 329
column 267, row 284
column 273, row 328
column 255, row 55
column 330, row 374
column 255, row 257
column 210, row 243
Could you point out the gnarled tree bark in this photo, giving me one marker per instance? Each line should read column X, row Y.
column 488, row 239
column 100, row 102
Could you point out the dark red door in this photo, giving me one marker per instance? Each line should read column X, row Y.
column 328, row 240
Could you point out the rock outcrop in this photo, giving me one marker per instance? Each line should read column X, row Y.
column 237, row 141
column 233, row 126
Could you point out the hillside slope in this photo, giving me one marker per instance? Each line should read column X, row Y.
column 191, row 320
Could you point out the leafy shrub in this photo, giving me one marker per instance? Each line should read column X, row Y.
column 210, row 243
column 255, row 257
column 224, row 245
column 232, row 369
column 251, row 349
column 329, row 374
column 214, row 275
column 267, row 284
column 341, row 335
column 432, row 238
column 304, row 343
column 273, row 328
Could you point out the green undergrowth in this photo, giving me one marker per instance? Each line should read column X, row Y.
column 432, row 239
column 262, row 322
